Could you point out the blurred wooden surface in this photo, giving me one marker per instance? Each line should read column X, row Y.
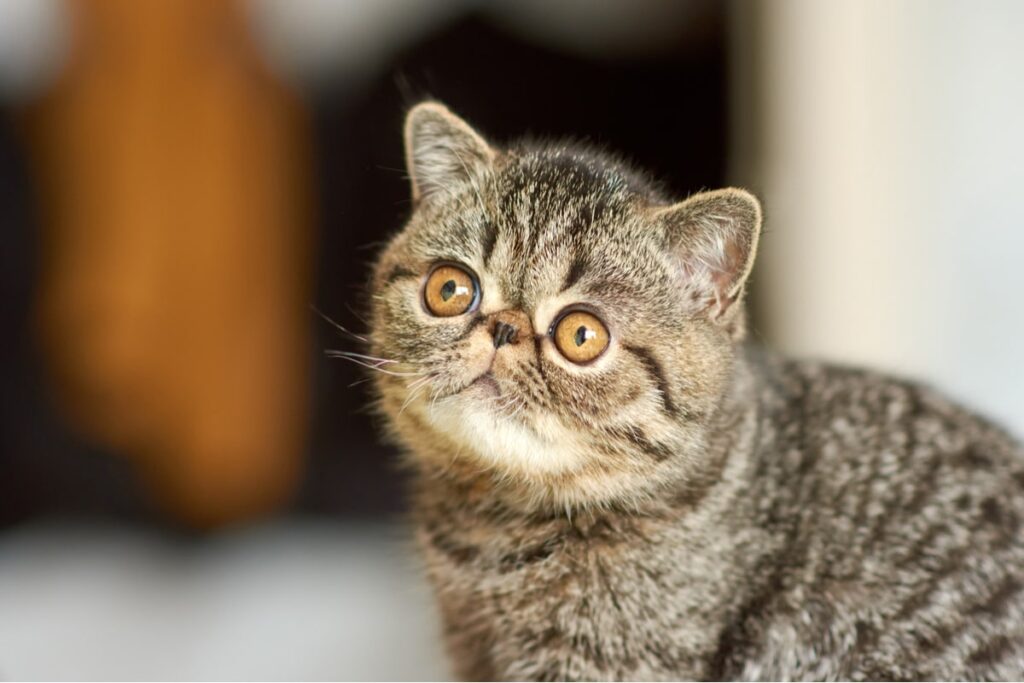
column 171, row 170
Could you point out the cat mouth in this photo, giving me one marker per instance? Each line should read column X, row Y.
column 486, row 382
column 483, row 384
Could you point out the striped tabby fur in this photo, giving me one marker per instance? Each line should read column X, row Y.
column 686, row 506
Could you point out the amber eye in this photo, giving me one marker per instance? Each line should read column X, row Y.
column 450, row 291
column 581, row 336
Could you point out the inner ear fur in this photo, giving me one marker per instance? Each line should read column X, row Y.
column 442, row 152
column 714, row 235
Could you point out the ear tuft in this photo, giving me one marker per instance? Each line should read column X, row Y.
column 442, row 152
column 715, row 234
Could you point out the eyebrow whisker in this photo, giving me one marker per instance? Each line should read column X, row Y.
column 338, row 326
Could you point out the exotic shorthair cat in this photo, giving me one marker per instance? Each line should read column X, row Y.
column 610, row 484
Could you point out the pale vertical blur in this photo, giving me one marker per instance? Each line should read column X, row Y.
column 886, row 140
column 33, row 45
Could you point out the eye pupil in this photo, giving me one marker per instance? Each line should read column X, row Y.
column 448, row 290
column 581, row 335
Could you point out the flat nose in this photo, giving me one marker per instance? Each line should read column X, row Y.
column 509, row 327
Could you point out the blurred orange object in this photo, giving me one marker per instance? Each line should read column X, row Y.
column 172, row 173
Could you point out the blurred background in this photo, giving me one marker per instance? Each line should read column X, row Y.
column 190, row 489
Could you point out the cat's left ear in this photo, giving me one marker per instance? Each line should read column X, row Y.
column 714, row 235
column 442, row 152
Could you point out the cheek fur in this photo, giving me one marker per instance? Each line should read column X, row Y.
column 456, row 365
column 589, row 397
column 402, row 325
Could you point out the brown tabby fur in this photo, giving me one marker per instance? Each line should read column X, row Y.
column 685, row 506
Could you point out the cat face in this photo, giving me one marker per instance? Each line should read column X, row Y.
column 544, row 318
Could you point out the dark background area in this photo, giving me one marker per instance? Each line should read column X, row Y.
column 665, row 111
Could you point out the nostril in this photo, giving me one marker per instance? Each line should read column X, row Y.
column 504, row 334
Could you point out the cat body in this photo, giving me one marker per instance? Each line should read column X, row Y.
column 610, row 484
column 858, row 528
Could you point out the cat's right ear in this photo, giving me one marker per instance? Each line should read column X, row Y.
column 714, row 236
column 442, row 152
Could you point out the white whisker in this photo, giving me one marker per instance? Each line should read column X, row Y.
column 332, row 353
column 337, row 326
column 372, row 366
column 411, row 397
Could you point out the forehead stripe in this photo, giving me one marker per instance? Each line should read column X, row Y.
column 490, row 239
column 575, row 272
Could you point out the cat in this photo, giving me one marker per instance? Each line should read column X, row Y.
column 610, row 483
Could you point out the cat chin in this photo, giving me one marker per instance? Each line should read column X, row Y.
column 502, row 441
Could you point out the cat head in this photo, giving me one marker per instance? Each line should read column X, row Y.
column 551, row 325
